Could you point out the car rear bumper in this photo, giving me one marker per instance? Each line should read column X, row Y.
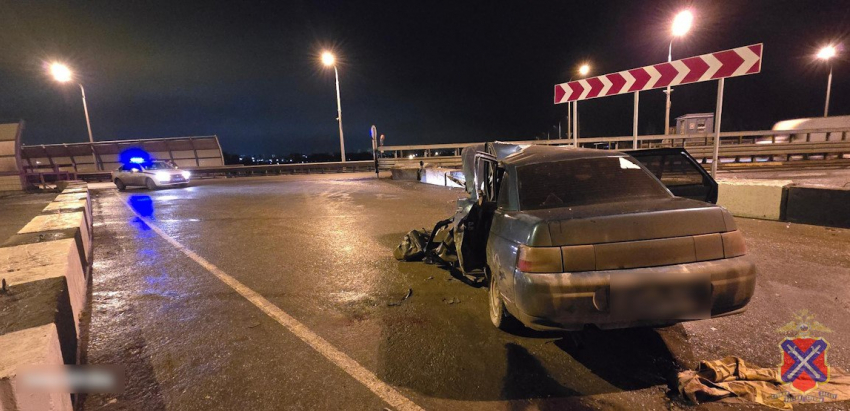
column 569, row 301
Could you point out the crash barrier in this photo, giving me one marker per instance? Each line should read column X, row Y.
column 763, row 199
column 738, row 150
column 260, row 170
column 819, row 206
column 80, row 158
column 446, row 177
column 45, row 270
column 11, row 178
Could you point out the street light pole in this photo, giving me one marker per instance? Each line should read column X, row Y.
column 339, row 116
column 681, row 25
column 828, row 89
column 63, row 74
column 667, row 111
column 86, row 110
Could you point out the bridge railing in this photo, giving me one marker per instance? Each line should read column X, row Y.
column 829, row 146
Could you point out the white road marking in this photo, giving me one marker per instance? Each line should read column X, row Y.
column 387, row 393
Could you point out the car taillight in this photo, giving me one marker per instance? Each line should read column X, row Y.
column 539, row 259
column 733, row 244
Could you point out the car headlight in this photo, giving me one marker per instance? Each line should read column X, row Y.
column 163, row 176
column 186, row 174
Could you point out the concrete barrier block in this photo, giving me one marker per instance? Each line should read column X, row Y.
column 59, row 207
column 410, row 174
column 36, row 262
column 64, row 221
column 437, row 176
column 819, row 206
column 764, row 199
column 37, row 303
column 31, row 346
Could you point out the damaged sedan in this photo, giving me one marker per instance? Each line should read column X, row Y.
column 570, row 238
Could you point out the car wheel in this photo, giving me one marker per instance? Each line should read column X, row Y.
column 499, row 315
column 150, row 184
column 120, row 184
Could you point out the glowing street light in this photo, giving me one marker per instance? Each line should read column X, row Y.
column 584, row 70
column 329, row 60
column 681, row 25
column 826, row 54
column 63, row 74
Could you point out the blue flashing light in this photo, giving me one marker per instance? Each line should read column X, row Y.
column 134, row 155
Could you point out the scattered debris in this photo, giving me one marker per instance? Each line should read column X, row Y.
column 452, row 300
column 430, row 278
column 398, row 303
column 734, row 381
column 4, row 287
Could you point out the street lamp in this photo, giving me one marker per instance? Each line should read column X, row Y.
column 826, row 54
column 63, row 74
column 583, row 71
column 329, row 60
column 681, row 25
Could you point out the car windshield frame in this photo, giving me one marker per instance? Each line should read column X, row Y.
column 585, row 181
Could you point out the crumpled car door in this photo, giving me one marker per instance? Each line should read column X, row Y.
column 473, row 228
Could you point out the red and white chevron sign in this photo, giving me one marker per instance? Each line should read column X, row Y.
column 730, row 63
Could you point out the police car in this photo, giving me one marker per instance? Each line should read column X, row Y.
column 151, row 174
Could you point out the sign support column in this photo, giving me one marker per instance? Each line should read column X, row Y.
column 575, row 124
column 635, row 122
column 717, row 114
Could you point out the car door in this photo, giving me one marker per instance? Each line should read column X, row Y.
column 474, row 228
column 682, row 175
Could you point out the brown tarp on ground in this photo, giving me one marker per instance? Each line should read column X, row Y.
column 733, row 380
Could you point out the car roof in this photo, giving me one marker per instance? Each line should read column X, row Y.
column 545, row 154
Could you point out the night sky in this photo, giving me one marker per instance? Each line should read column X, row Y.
column 423, row 72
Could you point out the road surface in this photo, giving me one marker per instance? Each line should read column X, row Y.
column 282, row 293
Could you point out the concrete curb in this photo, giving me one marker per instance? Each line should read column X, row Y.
column 763, row 199
column 46, row 266
column 819, row 206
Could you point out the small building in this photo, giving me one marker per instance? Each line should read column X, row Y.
column 696, row 123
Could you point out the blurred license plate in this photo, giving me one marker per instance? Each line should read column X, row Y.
column 661, row 301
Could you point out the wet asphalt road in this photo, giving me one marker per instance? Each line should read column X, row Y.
column 319, row 248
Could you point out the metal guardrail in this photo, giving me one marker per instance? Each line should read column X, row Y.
column 739, row 149
column 258, row 170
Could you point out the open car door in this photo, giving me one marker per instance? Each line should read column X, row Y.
column 474, row 228
column 682, row 175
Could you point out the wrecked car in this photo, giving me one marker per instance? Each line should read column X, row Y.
column 569, row 238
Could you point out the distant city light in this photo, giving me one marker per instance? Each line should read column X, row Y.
column 682, row 23
column 411, row 156
column 827, row 52
column 328, row 59
column 584, row 69
column 60, row 72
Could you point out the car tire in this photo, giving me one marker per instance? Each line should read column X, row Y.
column 120, row 184
column 499, row 315
column 150, row 184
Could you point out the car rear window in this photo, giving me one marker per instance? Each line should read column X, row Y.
column 585, row 181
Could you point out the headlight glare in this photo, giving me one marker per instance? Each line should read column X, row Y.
column 186, row 174
column 163, row 176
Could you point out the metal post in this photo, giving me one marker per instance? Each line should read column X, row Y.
column 828, row 89
column 569, row 120
column 635, row 122
column 575, row 124
column 339, row 117
column 717, row 114
column 88, row 126
column 667, row 111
